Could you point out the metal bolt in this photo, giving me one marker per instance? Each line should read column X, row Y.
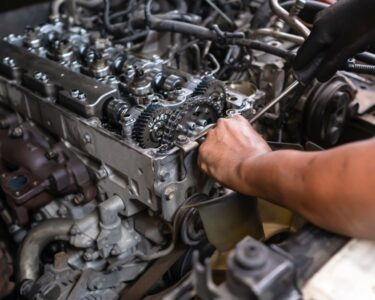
column 63, row 211
column 9, row 61
column 155, row 58
column 169, row 194
column 87, row 256
column 44, row 78
column 77, row 94
column 191, row 125
column 78, row 199
column 163, row 149
column 87, row 138
column 163, row 175
column 202, row 122
column 51, row 155
column 181, row 128
column 37, row 75
column 178, row 91
column 101, row 173
column 74, row 93
column 250, row 255
column 82, row 96
column 297, row 7
column 75, row 64
column 17, row 132
column 182, row 139
column 112, row 80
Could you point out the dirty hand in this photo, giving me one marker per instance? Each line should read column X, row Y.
column 340, row 31
column 227, row 146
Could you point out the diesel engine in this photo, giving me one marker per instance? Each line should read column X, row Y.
column 102, row 110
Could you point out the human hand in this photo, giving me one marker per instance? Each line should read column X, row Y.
column 340, row 31
column 227, row 146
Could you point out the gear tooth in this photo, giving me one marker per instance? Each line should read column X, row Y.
column 141, row 132
column 178, row 116
column 209, row 86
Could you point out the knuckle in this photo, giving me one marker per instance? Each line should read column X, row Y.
column 209, row 135
column 221, row 122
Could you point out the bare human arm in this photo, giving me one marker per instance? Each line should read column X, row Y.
column 334, row 189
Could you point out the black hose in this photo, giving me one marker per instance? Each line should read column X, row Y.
column 309, row 11
column 261, row 46
column 204, row 33
column 133, row 5
column 176, row 26
column 366, row 57
column 111, row 28
column 313, row 5
column 133, row 37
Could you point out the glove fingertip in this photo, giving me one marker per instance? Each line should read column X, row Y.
column 325, row 75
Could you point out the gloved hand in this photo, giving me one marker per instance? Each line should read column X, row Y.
column 340, row 31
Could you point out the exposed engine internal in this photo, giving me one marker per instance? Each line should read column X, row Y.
column 102, row 110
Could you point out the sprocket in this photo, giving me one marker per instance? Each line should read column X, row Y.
column 211, row 88
column 150, row 125
column 195, row 111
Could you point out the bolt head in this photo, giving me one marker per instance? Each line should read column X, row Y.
column 102, row 173
column 163, row 175
column 17, row 132
column 163, row 149
column 44, row 78
column 82, row 96
column 182, row 139
column 37, row 75
column 250, row 255
column 87, row 138
column 75, row 93
column 169, row 194
column 9, row 61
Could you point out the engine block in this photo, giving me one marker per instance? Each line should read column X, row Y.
column 99, row 135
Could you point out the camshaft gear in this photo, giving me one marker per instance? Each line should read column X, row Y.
column 150, row 125
column 211, row 88
column 195, row 112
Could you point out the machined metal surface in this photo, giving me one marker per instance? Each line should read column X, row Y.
column 102, row 111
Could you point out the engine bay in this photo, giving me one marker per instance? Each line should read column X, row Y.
column 102, row 110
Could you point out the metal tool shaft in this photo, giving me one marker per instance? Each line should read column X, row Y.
column 289, row 89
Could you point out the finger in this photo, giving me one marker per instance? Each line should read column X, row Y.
column 309, row 72
column 335, row 60
column 221, row 122
column 317, row 42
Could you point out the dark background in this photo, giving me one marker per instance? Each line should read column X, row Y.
column 13, row 4
column 15, row 15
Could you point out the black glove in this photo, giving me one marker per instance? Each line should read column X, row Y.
column 340, row 31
